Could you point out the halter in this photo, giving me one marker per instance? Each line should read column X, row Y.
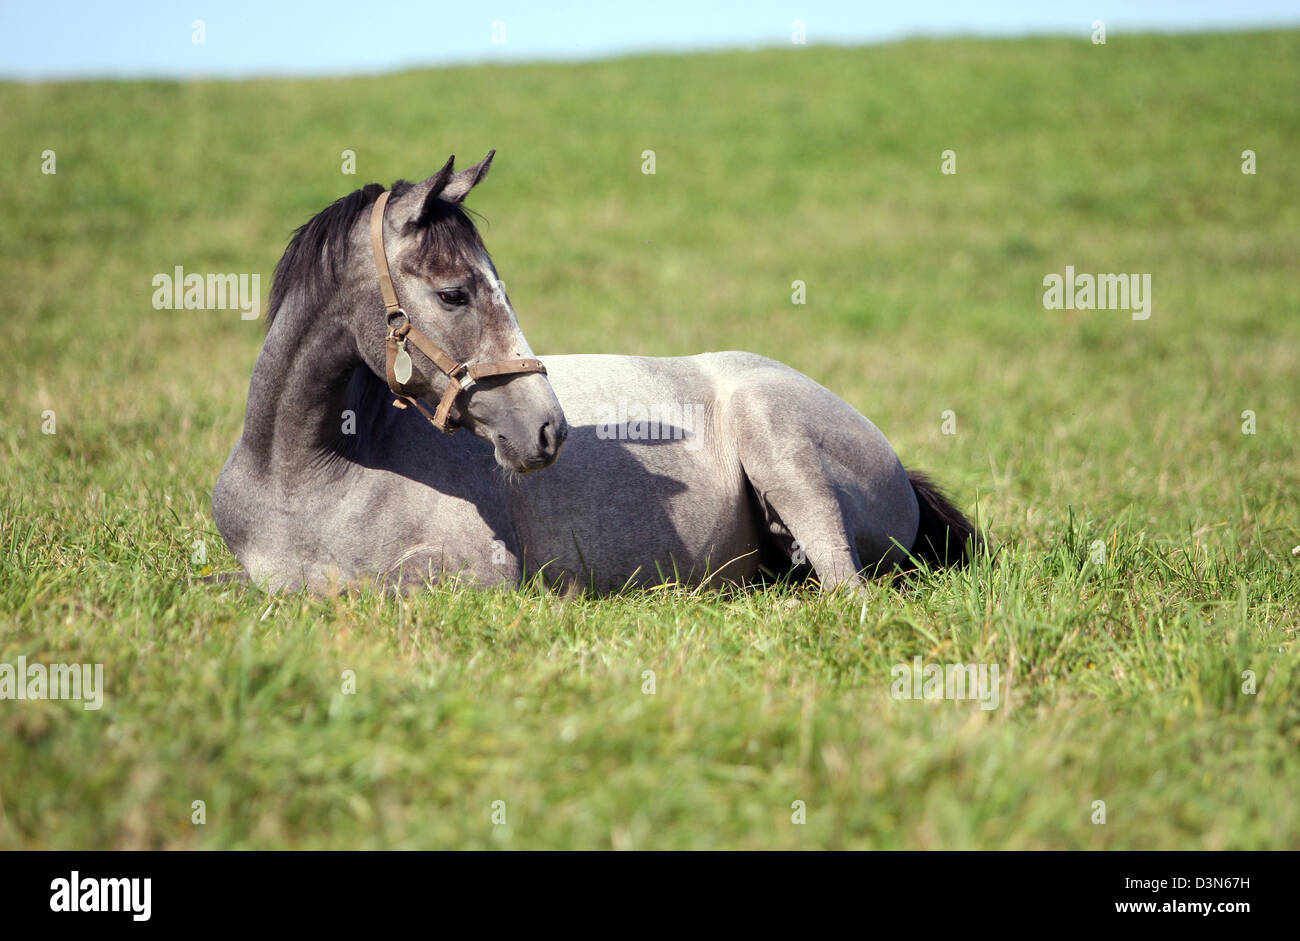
column 460, row 376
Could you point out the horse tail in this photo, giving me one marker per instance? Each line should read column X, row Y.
column 944, row 537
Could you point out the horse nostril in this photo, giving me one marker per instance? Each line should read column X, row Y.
column 551, row 437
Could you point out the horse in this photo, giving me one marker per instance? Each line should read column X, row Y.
column 595, row 473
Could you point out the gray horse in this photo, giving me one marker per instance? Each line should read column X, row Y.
column 722, row 467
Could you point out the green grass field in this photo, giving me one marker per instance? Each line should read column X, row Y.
column 1122, row 681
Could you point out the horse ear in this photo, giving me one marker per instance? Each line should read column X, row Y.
column 437, row 184
column 466, row 180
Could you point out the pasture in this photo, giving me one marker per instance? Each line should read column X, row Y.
column 676, row 718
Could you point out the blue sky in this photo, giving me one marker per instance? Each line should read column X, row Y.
column 42, row 40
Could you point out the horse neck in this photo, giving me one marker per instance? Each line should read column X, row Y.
column 298, row 392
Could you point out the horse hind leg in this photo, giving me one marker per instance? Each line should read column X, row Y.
column 831, row 493
column 816, row 546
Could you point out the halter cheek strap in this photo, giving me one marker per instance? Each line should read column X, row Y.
column 460, row 376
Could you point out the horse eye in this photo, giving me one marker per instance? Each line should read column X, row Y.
column 456, row 298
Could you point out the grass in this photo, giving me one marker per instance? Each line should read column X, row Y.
column 1122, row 678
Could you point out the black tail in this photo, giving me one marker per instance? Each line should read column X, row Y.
column 944, row 537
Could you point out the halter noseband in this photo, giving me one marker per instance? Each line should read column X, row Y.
column 460, row 376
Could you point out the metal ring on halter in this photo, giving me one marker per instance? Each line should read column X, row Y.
column 397, row 313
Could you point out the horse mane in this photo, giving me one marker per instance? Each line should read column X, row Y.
column 318, row 249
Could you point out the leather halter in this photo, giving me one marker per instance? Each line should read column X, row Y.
column 460, row 376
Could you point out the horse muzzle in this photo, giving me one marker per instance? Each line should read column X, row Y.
column 524, row 447
column 521, row 417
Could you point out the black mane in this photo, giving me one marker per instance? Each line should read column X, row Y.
column 318, row 249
